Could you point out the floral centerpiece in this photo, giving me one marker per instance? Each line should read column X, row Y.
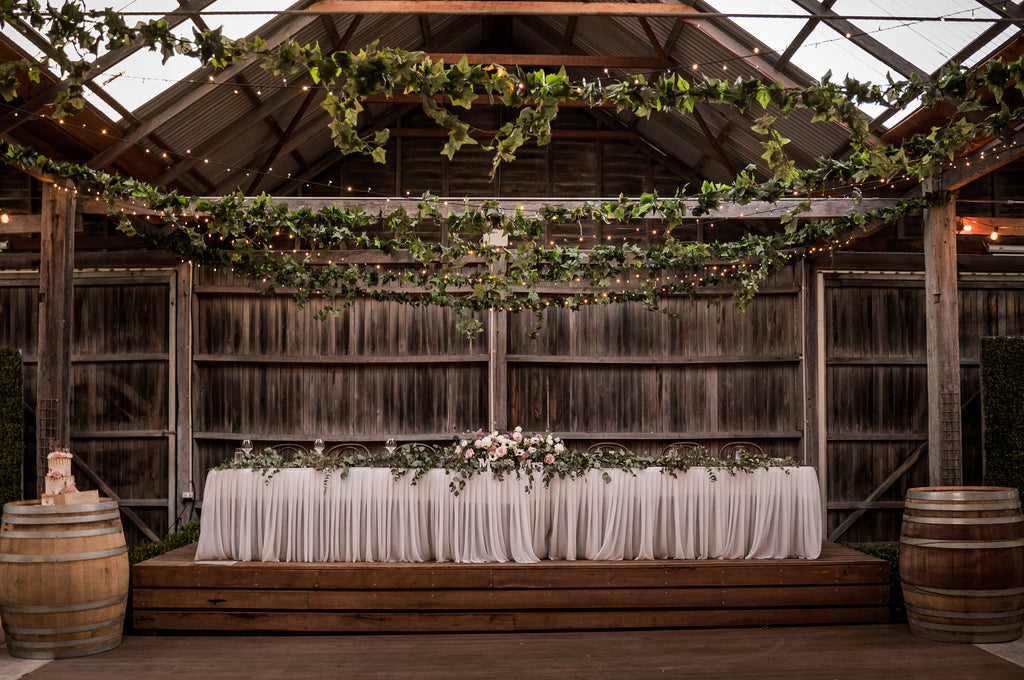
column 529, row 456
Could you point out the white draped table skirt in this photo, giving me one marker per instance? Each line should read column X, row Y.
column 369, row 516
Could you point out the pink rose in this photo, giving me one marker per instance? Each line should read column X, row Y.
column 469, row 453
column 549, row 459
column 71, row 488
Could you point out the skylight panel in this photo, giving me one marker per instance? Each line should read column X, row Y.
column 991, row 47
column 241, row 26
column 775, row 33
column 143, row 75
column 826, row 50
column 926, row 44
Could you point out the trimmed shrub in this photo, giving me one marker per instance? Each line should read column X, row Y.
column 12, row 427
column 1002, row 400
column 889, row 552
column 188, row 533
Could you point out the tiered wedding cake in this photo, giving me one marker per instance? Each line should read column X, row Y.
column 59, row 479
column 60, row 483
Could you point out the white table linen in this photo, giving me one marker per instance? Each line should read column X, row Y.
column 369, row 516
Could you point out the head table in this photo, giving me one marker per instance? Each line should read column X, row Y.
column 303, row 515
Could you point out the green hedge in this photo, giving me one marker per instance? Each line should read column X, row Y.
column 188, row 533
column 12, row 431
column 1002, row 399
column 891, row 553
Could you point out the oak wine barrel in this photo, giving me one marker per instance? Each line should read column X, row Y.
column 63, row 578
column 962, row 563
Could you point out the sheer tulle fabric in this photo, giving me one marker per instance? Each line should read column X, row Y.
column 369, row 516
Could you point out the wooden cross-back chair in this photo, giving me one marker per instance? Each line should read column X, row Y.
column 608, row 446
column 730, row 449
column 385, row 457
column 288, row 450
column 347, row 449
column 683, row 448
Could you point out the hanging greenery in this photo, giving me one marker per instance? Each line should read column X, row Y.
column 464, row 273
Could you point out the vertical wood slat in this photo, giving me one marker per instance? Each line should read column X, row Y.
column 945, row 450
column 180, row 470
column 56, row 305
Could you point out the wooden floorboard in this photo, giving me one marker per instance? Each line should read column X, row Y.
column 174, row 593
column 870, row 652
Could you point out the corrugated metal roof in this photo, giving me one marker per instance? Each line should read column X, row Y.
column 238, row 130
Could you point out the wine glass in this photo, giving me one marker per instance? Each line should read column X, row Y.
column 246, row 446
column 390, row 447
column 318, row 447
column 239, row 454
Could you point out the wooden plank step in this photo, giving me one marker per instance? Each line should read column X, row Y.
column 507, row 599
column 310, row 622
column 173, row 592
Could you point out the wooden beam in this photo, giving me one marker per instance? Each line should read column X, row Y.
column 189, row 99
column 861, row 39
column 107, row 491
column 182, row 474
column 945, row 448
column 502, row 8
column 283, row 139
column 713, row 141
column 56, row 308
column 673, row 36
column 21, row 224
column 226, row 137
column 570, row 30
column 879, row 490
column 824, row 207
column 585, row 60
column 653, row 39
column 984, row 162
column 800, row 37
column 45, row 98
column 438, row 133
column 481, row 100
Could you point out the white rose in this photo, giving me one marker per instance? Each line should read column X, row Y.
column 559, row 448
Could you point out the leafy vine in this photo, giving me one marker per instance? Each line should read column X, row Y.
column 463, row 272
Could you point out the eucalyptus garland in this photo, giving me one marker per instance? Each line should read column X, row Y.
column 525, row 456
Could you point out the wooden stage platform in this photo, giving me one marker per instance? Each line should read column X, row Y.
column 173, row 593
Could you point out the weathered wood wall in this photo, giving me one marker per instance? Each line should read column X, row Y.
column 121, row 367
column 259, row 367
column 876, row 394
column 173, row 367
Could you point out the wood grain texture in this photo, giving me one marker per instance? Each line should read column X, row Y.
column 171, row 592
column 805, row 653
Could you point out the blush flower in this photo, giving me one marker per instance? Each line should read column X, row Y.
column 549, row 459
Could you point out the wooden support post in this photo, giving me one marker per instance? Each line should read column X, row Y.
column 56, row 304
column 180, row 469
column 945, row 454
column 497, row 346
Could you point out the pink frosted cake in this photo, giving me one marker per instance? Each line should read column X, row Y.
column 59, row 478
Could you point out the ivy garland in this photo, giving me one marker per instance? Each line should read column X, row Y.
column 463, row 273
